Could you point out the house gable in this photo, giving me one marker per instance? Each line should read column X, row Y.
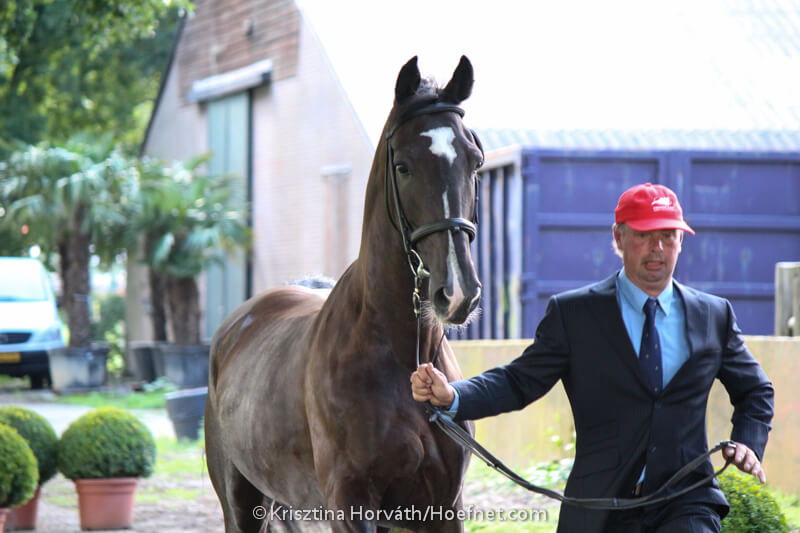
column 224, row 36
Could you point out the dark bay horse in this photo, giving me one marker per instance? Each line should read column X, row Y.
column 309, row 400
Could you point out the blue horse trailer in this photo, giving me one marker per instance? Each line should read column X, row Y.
column 546, row 217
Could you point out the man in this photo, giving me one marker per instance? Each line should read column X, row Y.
column 637, row 354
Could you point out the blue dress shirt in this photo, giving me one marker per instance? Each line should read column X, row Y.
column 670, row 323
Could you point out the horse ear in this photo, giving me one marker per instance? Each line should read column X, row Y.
column 407, row 81
column 459, row 88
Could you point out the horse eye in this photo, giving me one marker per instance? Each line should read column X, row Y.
column 401, row 169
column 479, row 164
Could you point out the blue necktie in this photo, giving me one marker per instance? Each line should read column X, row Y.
column 650, row 349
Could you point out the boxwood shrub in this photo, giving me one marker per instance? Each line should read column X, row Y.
column 105, row 443
column 38, row 433
column 19, row 473
column 753, row 509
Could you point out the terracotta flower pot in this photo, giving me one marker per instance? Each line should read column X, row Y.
column 3, row 514
column 106, row 503
column 23, row 517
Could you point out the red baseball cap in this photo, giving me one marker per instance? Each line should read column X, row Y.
column 649, row 207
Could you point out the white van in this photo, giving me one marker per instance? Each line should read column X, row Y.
column 29, row 322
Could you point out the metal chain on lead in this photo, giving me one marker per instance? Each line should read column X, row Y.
column 419, row 272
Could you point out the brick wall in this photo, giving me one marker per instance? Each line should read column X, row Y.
column 225, row 35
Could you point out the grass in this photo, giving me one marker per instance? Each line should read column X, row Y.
column 173, row 494
column 534, row 515
column 547, row 526
column 8, row 383
column 127, row 400
column 179, row 458
column 7, row 380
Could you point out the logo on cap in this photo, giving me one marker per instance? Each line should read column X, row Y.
column 660, row 204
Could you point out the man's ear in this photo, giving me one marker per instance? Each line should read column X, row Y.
column 617, row 230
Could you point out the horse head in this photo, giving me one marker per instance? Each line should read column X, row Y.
column 431, row 185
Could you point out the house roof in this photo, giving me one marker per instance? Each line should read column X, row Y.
column 702, row 140
column 715, row 73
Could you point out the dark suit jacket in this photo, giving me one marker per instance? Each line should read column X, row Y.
column 620, row 424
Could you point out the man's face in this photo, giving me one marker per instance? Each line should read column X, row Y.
column 649, row 256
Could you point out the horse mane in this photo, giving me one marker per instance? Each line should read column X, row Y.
column 428, row 86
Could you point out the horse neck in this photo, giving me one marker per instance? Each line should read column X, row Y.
column 383, row 278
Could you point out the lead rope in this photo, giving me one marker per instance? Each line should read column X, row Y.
column 466, row 441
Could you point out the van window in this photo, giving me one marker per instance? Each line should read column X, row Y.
column 22, row 281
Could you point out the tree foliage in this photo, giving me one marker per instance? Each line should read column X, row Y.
column 72, row 198
column 82, row 65
column 188, row 222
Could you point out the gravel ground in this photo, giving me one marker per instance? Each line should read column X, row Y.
column 174, row 513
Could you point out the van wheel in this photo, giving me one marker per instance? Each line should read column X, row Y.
column 39, row 381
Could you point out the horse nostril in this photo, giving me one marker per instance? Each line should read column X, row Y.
column 442, row 298
column 476, row 300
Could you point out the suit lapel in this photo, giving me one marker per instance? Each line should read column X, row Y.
column 605, row 309
column 698, row 320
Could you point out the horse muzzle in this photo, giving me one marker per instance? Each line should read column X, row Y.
column 453, row 303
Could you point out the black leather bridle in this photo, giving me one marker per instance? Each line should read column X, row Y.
column 412, row 236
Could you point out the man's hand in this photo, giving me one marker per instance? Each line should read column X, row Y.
column 745, row 460
column 429, row 384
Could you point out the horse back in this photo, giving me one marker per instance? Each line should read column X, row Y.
column 256, row 322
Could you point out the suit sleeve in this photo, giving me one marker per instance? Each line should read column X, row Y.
column 527, row 378
column 750, row 391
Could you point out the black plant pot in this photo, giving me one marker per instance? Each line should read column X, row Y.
column 158, row 359
column 143, row 360
column 77, row 369
column 186, row 409
column 186, row 366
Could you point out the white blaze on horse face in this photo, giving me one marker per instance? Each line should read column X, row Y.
column 442, row 142
column 453, row 272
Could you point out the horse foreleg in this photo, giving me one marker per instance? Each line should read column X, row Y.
column 353, row 506
column 447, row 526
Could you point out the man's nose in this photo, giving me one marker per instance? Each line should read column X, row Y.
column 656, row 242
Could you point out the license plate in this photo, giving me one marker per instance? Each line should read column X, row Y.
column 9, row 357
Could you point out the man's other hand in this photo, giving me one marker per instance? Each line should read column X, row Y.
column 745, row 460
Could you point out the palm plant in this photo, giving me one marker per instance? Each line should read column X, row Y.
column 69, row 198
column 187, row 224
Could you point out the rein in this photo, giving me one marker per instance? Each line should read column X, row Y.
column 445, row 423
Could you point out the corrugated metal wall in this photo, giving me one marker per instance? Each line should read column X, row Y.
column 546, row 219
